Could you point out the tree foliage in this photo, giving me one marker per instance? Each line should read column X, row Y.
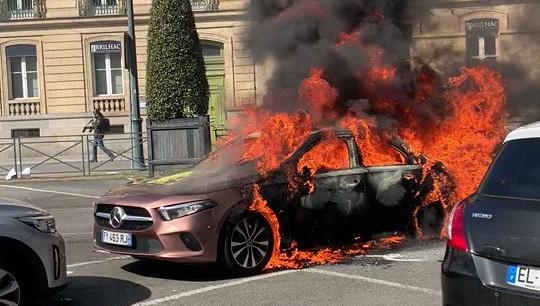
column 176, row 84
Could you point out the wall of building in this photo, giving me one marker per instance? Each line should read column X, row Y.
column 65, row 66
column 440, row 40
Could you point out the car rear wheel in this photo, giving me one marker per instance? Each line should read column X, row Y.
column 248, row 244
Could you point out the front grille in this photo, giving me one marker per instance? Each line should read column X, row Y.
column 126, row 225
column 132, row 211
column 141, row 245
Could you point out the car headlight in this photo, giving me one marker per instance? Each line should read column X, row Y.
column 44, row 223
column 181, row 210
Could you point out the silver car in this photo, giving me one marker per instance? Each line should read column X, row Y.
column 32, row 255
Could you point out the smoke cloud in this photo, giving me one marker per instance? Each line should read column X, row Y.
column 352, row 42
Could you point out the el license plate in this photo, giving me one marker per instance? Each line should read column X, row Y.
column 124, row 239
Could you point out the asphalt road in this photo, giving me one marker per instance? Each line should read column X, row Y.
column 406, row 275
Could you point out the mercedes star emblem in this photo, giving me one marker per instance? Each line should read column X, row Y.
column 117, row 217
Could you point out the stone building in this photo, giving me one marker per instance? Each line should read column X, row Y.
column 503, row 34
column 60, row 59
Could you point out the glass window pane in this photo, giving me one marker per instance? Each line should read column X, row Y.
column 209, row 50
column 472, row 47
column 31, row 64
column 21, row 50
column 112, row 2
column 116, row 60
column 117, row 86
column 16, row 86
column 516, row 171
column 15, row 64
column 490, row 45
column 32, row 84
column 99, row 61
column 101, row 83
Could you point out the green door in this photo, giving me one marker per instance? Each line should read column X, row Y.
column 215, row 72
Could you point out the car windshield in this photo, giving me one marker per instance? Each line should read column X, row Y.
column 516, row 171
column 225, row 156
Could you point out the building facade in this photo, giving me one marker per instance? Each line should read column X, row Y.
column 60, row 59
column 502, row 34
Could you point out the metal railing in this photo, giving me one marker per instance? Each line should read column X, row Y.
column 22, row 9
column 72, row 154
column 101, row 7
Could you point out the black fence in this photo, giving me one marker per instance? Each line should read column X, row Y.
column 65, row 155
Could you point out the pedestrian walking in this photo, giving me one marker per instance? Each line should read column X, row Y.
column 99, row 125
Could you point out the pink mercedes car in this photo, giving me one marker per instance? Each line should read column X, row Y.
column 201, row 215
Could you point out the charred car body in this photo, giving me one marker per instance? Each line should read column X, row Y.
column 203, row 216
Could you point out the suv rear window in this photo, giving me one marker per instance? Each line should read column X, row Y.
column 516, row 171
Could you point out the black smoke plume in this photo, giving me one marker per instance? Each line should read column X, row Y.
column 300, row 35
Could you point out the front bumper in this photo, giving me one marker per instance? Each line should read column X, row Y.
column 171, row 240
column 51, row 250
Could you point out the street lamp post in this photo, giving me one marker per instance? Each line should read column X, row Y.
column 136, row 121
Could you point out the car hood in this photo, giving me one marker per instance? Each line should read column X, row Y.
column 20, row 210
column 191, row 182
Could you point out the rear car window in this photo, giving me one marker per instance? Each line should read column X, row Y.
column 516, row 171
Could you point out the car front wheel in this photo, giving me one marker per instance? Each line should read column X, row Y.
column 10, row 292
column 248, row 244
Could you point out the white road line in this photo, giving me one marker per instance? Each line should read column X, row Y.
column 393, row 257
column 51, row 191
column 374, row 281
column 97, row 261
column 214, row 287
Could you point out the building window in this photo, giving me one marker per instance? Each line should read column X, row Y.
column 482, row 40
column 107, row 63
column 24, row 133
column 22, row 72
column 117, row 129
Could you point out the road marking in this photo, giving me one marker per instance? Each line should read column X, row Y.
column 75, row 234
column 393, row 257
column 51, row 191
column 214, row 287
column 97, row 261
column 374, row 281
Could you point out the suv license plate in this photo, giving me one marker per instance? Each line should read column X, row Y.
column 524, row 277
column 124, row 239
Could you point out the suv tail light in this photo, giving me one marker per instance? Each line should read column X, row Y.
column 456, row 228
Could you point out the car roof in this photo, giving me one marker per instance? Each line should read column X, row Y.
column 528, row 131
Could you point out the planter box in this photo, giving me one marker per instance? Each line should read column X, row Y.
column 177, row 142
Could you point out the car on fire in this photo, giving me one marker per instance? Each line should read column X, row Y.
column 493, row 251
column 203, row 215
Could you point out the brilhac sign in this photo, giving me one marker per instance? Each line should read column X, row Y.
column 484, row 25
column 106, row 47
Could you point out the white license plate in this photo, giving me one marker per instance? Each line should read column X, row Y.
column 524, row 277
column 124, row 239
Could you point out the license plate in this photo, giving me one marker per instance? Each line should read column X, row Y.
column 524, row 277
column 124, row 239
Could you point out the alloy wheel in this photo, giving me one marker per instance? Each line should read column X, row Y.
column 10, row 292
column 250, row 242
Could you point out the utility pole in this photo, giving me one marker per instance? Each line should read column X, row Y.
column 136, row 121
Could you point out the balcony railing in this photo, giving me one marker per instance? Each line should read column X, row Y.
column 22, row 9
column 204, row 5
column 24, row 108
column 102, row 7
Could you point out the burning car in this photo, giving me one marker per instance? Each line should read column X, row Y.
column 207, row 214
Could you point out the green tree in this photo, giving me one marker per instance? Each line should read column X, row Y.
column 176, row 83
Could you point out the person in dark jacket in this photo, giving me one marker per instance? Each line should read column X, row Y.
column 99, row 126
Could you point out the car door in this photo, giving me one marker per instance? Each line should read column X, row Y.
column 338, row 185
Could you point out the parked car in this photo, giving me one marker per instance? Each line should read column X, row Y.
column 32, row 256
column 201, row 216
column 493, row 253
